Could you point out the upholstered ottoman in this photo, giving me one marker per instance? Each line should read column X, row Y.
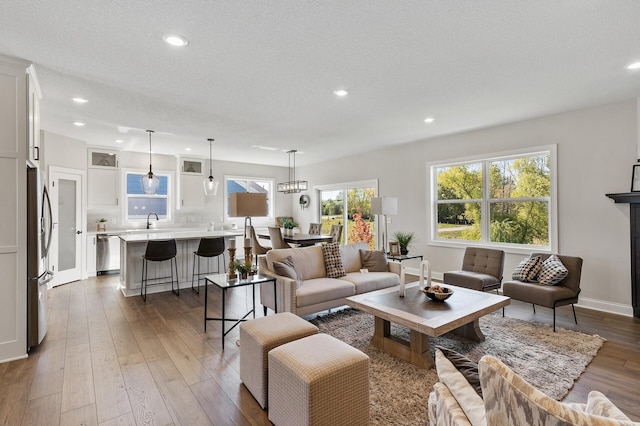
column 318, row 380
column 257, row 338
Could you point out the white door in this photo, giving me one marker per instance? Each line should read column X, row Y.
column 65, row 188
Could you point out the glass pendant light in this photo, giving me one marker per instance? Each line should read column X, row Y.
column 150, row 182
column 210, row 184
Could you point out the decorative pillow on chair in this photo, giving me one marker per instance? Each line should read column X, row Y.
column 528, row 269
column 374, row 261
column 553, row 271
column 333, row 260
column 465, row 366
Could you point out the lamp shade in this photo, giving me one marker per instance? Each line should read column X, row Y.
column 384, row 205
column 246, row 204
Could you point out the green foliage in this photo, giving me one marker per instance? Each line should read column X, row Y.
column 288, row 223
column 243, row 267
column 404, row 239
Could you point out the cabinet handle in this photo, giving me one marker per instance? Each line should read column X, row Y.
column 183, row 203
column 36, row 153
column 117, row 201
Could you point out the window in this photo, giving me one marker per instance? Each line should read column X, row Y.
column 243, row 184
column 506, row 200
column 140, row 205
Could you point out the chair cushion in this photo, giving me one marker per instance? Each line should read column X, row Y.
column 528, row 269
column 552, row 271
column 538, row 294
column 471, row 280
column 333, row 260
column 374, row 261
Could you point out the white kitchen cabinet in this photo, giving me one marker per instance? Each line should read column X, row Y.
column 33, row 148
column 192, row 166
column 104, row 188
column 191, row 191
column 102, row 159
column 91, row 256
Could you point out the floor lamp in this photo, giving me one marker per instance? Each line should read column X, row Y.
column 247, row 204
column 384, row 206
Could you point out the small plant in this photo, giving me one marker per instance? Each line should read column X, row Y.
column 101, row 220
column 288, row 223
column 404, row 240
column 243, row 267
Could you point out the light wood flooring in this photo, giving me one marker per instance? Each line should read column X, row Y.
column 112, row 360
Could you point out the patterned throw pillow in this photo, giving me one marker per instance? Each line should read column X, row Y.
column 528, row 269
column 333, row 260
column 373, row 261
column 553, row 271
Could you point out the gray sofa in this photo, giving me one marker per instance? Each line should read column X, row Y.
column 313, row 291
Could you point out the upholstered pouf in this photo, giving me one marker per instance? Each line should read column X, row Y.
column 318, row 380
column 257, row 338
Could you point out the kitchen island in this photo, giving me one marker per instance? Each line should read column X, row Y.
column 133, row 246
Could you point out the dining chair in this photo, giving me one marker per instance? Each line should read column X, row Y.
column 257, row 248
column 315, row 228
column 336, row 233
column 277, row 242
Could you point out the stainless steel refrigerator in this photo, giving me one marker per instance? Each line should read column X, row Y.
column 39, row 226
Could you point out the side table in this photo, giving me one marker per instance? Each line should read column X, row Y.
column 223, row 282
column 403, row 257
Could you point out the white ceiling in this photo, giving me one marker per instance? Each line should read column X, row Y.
column 264, row 72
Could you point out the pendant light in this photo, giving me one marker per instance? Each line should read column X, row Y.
column 292, row 186
column 210, row 184
column 150, row 182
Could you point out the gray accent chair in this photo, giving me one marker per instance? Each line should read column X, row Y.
column 564, row 293
column 481, row 270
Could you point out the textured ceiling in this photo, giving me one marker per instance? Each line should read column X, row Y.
column 264, row 72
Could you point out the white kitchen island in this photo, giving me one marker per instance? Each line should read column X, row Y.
column 133, row 246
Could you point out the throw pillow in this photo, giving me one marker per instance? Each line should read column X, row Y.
column 528, row 269
column 333, row 260
column 374, row 261
column 465, row 366
column 467, row 398
column 285, row 268
column 553, row 271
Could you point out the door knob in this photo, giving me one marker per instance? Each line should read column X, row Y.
column 78, row 232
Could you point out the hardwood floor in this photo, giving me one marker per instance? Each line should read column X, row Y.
column 112, row 360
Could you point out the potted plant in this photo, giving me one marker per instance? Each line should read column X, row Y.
column 243, row 268
column 404, row 240
column 102, row 224
column 288, row 224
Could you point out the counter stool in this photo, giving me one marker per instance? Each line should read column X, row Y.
column 159, row 251
column 318, row 380
column 208, row 248
column 257, row 338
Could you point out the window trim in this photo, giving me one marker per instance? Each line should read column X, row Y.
column 125, row 196
column 432, row 195
column 271, row 197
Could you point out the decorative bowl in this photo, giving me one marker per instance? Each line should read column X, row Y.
column 439, row 295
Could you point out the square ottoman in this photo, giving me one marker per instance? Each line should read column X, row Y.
column 318, row 380
column 257, row 338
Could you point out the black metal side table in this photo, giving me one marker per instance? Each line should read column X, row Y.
column 402, row 257
column 223, row 282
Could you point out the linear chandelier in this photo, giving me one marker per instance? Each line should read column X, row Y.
column 292, row 186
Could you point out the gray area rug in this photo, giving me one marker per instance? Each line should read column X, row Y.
column 399, row 391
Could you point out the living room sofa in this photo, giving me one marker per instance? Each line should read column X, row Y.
column 311, row 291
column 507, row 399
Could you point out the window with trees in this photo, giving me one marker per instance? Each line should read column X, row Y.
column 504, row 200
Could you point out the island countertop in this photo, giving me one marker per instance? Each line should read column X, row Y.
column 178, row 235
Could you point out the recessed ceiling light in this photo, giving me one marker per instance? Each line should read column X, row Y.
column 78, row 123
column 80, row 100
column 634, row 66
column 429, row 120
column 187, row 149
column 341, row 92
column 175, row 40
column 267, row 148
column 119, row 141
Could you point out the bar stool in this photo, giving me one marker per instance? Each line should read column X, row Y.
column 159, row 251
column 208, row 247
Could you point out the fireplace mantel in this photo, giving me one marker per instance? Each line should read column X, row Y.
column 633, row 199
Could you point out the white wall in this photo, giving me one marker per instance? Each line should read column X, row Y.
column 596, row 149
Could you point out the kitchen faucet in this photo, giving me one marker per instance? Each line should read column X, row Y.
column 149, row 215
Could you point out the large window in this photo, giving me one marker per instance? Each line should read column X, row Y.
column 140, row 205
column 244, row 184
column 505, row 200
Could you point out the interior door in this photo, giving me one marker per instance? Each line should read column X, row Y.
column 66, row 209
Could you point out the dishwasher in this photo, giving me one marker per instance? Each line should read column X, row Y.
column 107, row 254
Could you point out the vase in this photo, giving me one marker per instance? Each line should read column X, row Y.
column 243, row 275
column 404, row 251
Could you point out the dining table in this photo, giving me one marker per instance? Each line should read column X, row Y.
column 302, row 240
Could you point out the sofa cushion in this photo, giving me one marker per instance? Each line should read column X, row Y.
column 373, row 261
column 351, row 256
column 552, row 271
column 308, row 261
column 320, row 290
column 286, row 268
column 371, row 281
column 333, row 260
column 465, row 366
column 528, row 269
column 463, row 392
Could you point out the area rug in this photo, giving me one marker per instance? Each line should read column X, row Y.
column 399, row 391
